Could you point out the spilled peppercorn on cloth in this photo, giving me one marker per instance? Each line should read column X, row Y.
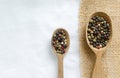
column 111, row 58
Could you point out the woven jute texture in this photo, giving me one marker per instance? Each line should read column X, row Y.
column 111, row 58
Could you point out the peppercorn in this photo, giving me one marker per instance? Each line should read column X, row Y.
column 59, row 41
column 98, row 31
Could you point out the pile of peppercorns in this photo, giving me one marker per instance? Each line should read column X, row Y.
column 59, row 41
column 98, row 31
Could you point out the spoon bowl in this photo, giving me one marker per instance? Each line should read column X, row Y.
column 68, row 41
column 102, row 14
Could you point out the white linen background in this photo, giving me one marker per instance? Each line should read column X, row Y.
column 26, row 27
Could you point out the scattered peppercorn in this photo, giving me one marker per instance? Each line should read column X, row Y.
column 98, row 31
column 59, row 41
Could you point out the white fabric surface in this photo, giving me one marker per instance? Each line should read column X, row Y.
column 26, row 27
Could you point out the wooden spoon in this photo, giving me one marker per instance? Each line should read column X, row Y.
column 98, row 71
column 55, row 41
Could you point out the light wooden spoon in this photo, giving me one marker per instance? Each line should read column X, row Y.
column 61, row 56
column 98, row 71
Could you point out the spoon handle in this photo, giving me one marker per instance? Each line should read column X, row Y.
column 60, row 66
column 98, row 69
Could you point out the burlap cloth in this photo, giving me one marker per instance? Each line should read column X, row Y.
column 111, row 58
